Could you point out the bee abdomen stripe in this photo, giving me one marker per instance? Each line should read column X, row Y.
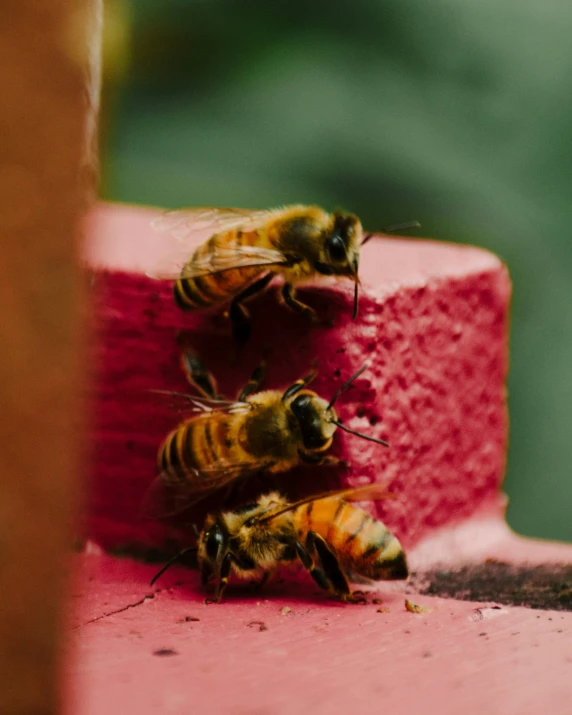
column 208, row 287
column 200, row 289
column 162, row 461
column 357, row 532
column 212, row 453
column 181, row 299
column 332, row 528
column 370, row 551
column 174, row 457
column 191, row 294
column 224, row 442
column 222, row 281
column 166, row 464
column 188, row 456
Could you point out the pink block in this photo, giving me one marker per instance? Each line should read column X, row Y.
column 432, row 325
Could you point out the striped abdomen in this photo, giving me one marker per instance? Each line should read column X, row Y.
column 362, row 544
column 198, row 445
column 205, row 291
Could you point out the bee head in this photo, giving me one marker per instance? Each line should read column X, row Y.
column 316, row 417
column 316, row 420
column 340, row 251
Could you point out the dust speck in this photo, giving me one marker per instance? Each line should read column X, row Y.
column 260, row 625
column 414, row 608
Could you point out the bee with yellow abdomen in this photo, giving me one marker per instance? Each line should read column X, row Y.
column 268, row 431
column 333, row 538
column 246, row 249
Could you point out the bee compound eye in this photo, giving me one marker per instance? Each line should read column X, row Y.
column 336, row 248
column 309, row 420
column 213, row 542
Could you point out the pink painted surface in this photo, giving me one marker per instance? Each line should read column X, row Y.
column 432, row 325
column 288, row 650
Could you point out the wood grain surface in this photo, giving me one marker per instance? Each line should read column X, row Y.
column 49, row 79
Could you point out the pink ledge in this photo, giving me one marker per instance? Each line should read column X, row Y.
column 432, row 325
column 288, row 650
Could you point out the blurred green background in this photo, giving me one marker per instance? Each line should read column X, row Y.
column 458, row 114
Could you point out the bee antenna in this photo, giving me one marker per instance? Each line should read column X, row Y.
column 347, row 383
column 359, row 434
column 356, row 279
column 394, row 227
column 171, row 561
column 354, row 316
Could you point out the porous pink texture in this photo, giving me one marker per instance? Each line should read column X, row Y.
column 432, row 325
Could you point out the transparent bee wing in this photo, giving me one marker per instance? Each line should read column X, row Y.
column 198, row 404
column 239, row 257
column 176, row 490
column 183, row 224
column 166, row 498
column 369, row 492
column 171, row 267
column 217, row 261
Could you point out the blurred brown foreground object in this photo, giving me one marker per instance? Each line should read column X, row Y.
column 49, row 74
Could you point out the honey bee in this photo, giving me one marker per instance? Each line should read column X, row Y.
column 334, row 540
column 247, row 249
column 268, row 431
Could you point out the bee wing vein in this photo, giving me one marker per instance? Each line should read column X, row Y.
column 183, row 224
column 218, row 261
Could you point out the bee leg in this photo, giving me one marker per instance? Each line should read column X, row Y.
column 264, row 579
column 288, row 295
column 239, row 315
column 323, row 460
column 197, row 375
column 330, row 566
column 331, row 461
column 309, row 457
column 295, row 387
column 223, row 576
column 254, row 383
column 308, row 563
